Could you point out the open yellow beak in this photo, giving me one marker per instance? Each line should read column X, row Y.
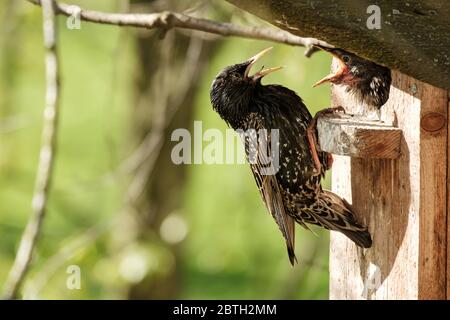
column 263, row 72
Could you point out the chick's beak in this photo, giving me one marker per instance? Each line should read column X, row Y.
column 341, row 69
column 262, row 72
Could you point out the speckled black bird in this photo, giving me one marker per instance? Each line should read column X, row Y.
column 368, row 81
column 294, row 192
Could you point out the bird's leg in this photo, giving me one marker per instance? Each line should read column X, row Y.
column 312, row 141
column 330, row 161
column 311, row 134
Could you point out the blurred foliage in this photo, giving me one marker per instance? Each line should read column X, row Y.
column 232, row 248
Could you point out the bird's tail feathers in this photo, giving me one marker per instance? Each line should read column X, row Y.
column 335, row 213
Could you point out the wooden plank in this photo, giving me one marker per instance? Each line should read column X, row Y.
column 448, row 199
column 353, row 136
column 403, row 201
column 433, row 194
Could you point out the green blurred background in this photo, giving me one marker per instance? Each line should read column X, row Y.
column 138, row 226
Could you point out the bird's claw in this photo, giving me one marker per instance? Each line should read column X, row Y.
column 332, row 110
column 339, row 109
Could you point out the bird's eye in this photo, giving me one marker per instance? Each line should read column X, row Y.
column 345, row 58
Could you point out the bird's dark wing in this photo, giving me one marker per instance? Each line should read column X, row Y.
column 287, row 112
column 271, row 194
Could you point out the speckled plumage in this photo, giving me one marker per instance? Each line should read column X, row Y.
column 294, row 193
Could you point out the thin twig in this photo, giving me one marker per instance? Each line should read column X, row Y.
column 167, row 20
column 46, row 158
column 143, row 161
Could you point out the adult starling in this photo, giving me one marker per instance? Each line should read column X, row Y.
column 368, row 81
column 293, row 192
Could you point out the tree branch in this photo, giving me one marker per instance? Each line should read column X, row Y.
column 167, row 20
column 46, row 158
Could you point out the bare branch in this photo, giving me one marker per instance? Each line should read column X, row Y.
column 46, row 158
column 142, row 161
column 167, row 20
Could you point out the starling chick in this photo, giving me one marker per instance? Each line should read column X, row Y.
column 293, row 193
column 368, row 81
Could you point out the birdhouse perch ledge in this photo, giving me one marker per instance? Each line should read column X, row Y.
column 354, row 136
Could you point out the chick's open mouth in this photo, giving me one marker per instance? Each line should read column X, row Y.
column 340, row 71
